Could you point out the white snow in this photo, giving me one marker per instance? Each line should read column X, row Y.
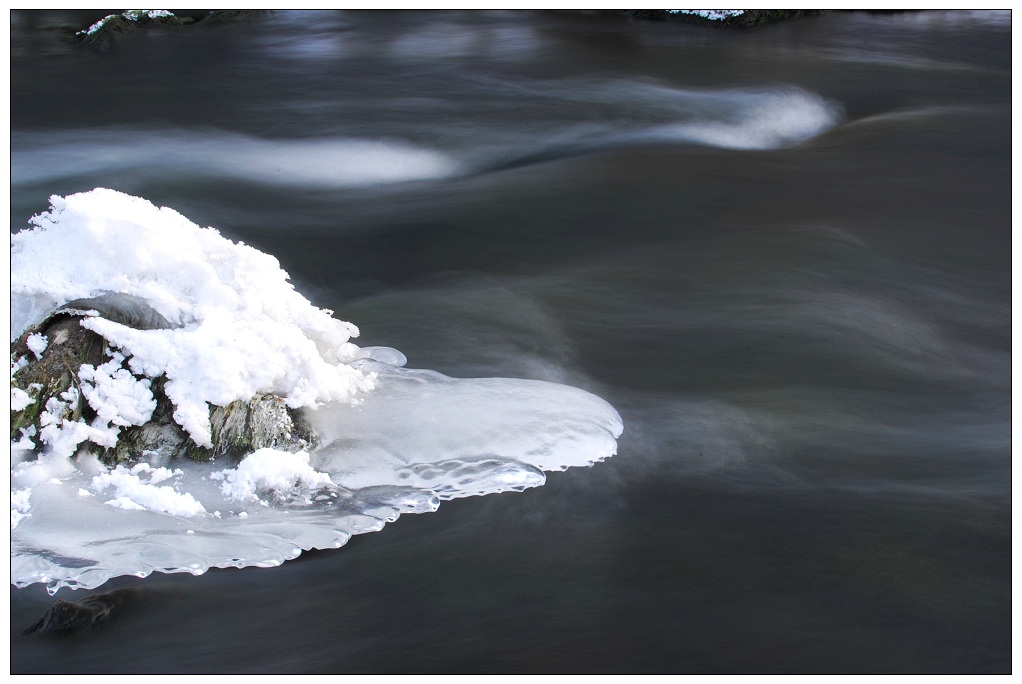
column 270, row 471
column 37, row 343
column 98, row 25
column 155, row 474
column 117, row 396
column 243, row 328
column 20, row 399
column 132, row 493
column 135, row 15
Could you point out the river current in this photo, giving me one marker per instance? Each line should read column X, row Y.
column 783, row 254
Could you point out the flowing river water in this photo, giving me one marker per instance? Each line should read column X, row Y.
column 782, row 254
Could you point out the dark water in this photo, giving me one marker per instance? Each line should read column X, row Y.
column 783, row 254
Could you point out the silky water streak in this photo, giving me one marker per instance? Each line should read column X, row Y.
column 390, row 440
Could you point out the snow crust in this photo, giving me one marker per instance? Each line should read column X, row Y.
column 391, row 440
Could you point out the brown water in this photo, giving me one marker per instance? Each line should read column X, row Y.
column 783, row 254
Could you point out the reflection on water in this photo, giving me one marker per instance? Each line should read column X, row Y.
column 782, row 254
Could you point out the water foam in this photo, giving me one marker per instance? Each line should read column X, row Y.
column 393, row 440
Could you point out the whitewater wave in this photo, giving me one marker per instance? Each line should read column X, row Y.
column 640, row 113
column 322, row 162
column 391, row 440
column 576, row 117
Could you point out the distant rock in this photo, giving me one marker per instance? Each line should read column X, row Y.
column 106, row 32
column 721, row 18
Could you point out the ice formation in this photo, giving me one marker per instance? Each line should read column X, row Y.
column 391, row 440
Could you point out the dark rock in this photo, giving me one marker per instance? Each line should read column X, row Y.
column 65, row 617
column 118, row 307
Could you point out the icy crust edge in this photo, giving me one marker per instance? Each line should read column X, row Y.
column 422, row 437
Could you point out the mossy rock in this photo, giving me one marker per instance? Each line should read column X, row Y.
column 70, row 346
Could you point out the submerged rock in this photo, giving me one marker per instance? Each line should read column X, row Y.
column 67, row 617
column 46, row 389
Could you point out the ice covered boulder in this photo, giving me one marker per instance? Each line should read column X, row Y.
column 62, row 371
column 140, row 339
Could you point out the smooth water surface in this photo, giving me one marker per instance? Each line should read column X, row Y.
column 783, row 254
